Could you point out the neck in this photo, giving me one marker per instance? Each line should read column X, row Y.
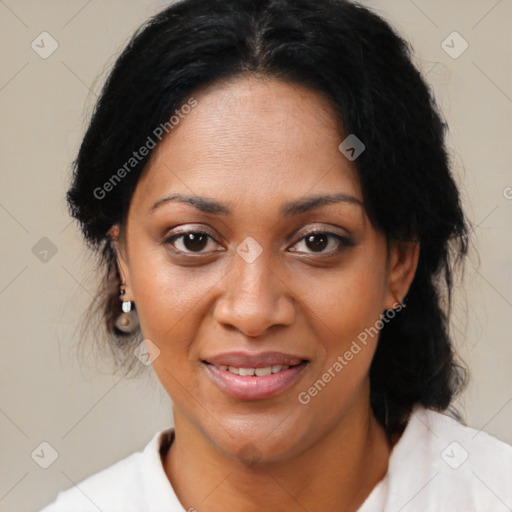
column 337, row 473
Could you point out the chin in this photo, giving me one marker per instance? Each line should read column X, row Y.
column 255, row 443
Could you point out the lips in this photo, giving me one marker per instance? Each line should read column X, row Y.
column 246, row 376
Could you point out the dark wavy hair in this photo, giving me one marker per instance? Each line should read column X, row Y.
column 357, row 60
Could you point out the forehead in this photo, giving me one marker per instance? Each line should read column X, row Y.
column 252, row 139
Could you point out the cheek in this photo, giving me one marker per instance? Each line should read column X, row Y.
column 345, row 311
column 349, row 300
column 170, row 299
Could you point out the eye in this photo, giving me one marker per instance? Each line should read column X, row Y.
column 317, row 241
column 190, row 242
column 197, row 242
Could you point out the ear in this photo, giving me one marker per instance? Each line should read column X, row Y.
column 402, row 263
column 121, row 259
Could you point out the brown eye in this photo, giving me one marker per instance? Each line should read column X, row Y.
column 318, row 241
column 190, row 242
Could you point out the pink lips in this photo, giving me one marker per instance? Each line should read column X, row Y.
column 254, row 387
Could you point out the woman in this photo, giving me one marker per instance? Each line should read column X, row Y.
column 268, row 187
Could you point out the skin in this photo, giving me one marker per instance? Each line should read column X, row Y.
column 253, row 144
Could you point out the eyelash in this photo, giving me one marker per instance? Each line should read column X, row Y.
column 343, row 242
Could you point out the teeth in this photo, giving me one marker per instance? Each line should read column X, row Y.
column 246, row 372
column 259, row 372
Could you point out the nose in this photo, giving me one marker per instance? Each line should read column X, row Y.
column 254, row 298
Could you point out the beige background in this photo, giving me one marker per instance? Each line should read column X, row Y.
column 93, row 419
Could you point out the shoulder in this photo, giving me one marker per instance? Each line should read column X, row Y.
column 440, row 464
column 120, row 487
column 461, row 443
column 104, row 490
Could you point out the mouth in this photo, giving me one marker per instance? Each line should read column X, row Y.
column 247, row 377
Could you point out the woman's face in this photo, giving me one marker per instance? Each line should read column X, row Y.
column 255, row 287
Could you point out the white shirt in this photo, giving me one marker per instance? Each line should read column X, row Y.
column 438, row 465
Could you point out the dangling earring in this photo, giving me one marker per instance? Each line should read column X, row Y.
column 128, row 320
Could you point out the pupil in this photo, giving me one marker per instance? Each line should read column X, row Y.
column 195, row 241
column 321, row 243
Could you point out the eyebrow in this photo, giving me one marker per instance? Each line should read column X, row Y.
column 289, row 209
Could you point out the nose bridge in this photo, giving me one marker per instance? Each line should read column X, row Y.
column 252, row 277
column 254, row 297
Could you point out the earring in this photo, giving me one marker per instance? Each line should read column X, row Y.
column 128, row 320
